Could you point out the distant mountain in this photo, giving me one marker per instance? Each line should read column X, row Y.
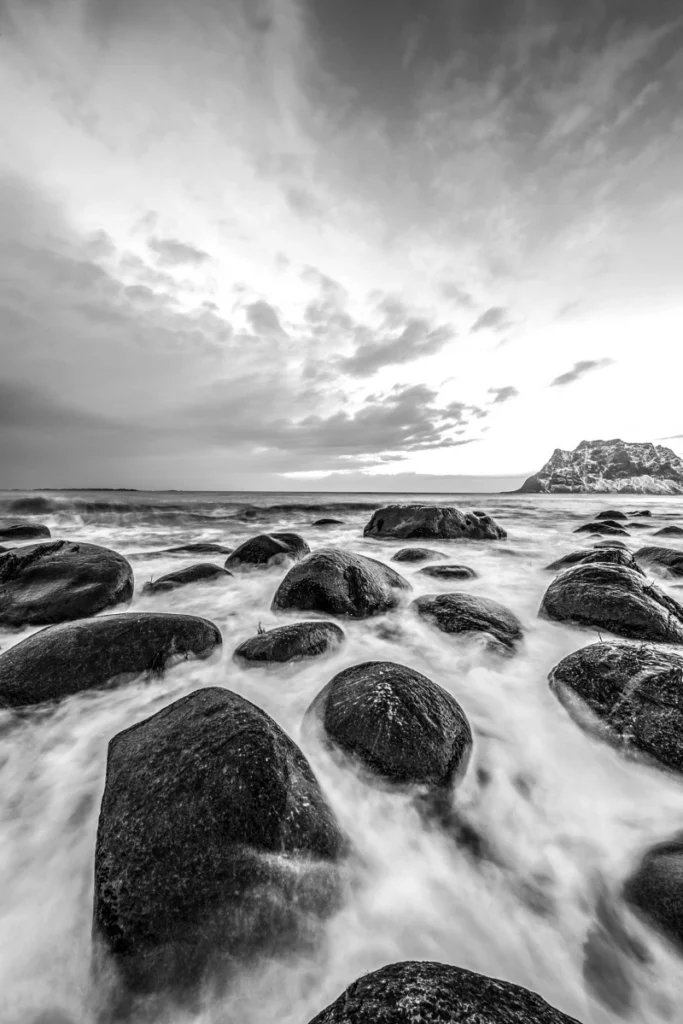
column 609, row 467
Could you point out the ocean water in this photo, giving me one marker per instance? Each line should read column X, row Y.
column 565, row 812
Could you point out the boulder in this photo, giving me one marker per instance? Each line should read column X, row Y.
column 328, row 522
column 602, row 528
column 90, row 654
column 397, row 723
column 268, row 549
column 628, row 693
column 664, row 558
column 607, row 556
column 612, row 543
column 417, row 555
column 611, row 514
column 59, row 581
column 22, row 531
column 337, row 582
column 423, row 992
column 641, row 512
column 201, row 572
column 200, row 548
column 465, row 613
column 654, row 891
column 291, row 643
column 669, row 531
column 615, row 599
column 443, row 521
column 448, row 572
column 215, row 845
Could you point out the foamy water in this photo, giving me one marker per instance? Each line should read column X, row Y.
column 561, row 810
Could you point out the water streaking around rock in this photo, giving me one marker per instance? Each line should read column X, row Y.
column 564, row 812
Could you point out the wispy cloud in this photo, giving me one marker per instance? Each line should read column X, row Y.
column 503, row 394
column 171, row 253
column 580, row 370
column 495, row 318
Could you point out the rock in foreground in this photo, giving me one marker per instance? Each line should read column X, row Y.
column 630, row 694
column 60, row 581
column 199, row 573
column 268, row 549
column 291, row 643
column 655, row 889
column 465, row 613
column 397, row 723
column 91, row 653
column 423, row 992
column 417, row 555
column 23, row 531
column 606, row 556
column 338, row 582
column 609, row 467
column 615, row 599
column 442, row 521
column 215, row 845
column 664, row 558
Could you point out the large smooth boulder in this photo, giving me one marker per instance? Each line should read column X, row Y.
column 424, row 992
column 417, row 555
column 630, row 694
column 611, row 514
column 338, row 582
column 328, row 522
column 669, row 531
column 655, row 889
column 615, row 599
column 604, row 556
column 602, row 528
column 397, row 723
column 56, row 582
column 469, row 614
column 215, row 845
column 667, row 559
column 267, row 549
column 448, row 572
column 443, row 521
column 199, row 573
column 92, row 653
column 23, row 531
column 293, row 642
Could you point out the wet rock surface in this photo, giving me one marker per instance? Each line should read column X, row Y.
column 468, row 614
column 13, row 531
column 606, row 556
column 443, row 521
column 268, row 549
column 669, row 531
column 202, row 572
column 667, row 559
column 448, row 572
column 655, row 889
column 291, row 643
column 417, row 555
column 611, row 514
column 604, row 528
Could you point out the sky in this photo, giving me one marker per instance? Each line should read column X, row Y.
column 335, row 244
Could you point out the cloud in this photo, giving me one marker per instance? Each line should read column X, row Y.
column 579, row 370
column 493, row 319
column 171, row 253
column 418, row 338
column 263, row 318
column 503, row 394
column 456, row 294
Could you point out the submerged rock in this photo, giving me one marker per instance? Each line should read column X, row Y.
column 59, row 581
column 338, row 582
column 641, row 512
column 442, row 521
column 23, row 531
column 268, row 549
column 88, row 654
column 215, row 845
column 611, row 514
column 417, row 555
column 616, row 599
column 397, row 723
column 602, row 528
column 610, row 544
column 328, row 522
column 291, row 643
column 669, row 531
column 665, row 558
column 200, row 548
column 201, row 572
column 424, row 992
column 448, row 572
column 465, row 613
column 655, row 889
column 628, row 693
column 607, row 556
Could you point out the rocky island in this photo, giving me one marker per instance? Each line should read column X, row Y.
column 606, row 467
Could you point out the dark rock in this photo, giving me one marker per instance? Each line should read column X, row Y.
column 641, row 512
column 23, row 531
column 417, row 555
column 201, row 572
column 200, row 548
column 338, row 582
column 611, row 514
column 56, row 582
column 602, row 528
column 665, row 558
column 443, row 521
column 448, row 572
column 400, row 725
column 328, row 522
column 268, row 549
column 611, row 951
column 669, row 531
column 93, row 653
column 608, row 556
column 616, row 599
column 630, row 694
column 465, row 613
column 215, row 845
column 291, row 643
column 34, row 506
column 423, row 992
column 610, row 544
column 655, row 889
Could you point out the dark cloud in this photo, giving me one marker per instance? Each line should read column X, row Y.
column 579, row 370
column 171, row 253
column 493, row 319
column 263, row 318
column 418, row 338
column 503, row 394
column 456, row 294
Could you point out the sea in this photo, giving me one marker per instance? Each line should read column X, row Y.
column 568, row 815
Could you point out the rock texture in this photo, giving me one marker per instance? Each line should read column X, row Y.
column 47, row 583
column 422, row 521
column 201, row 572
column 22, row 531
column 609, row 467
column 291, row 643
column 268, row 549
column 397, row 723
column 214, row 845
column 668, row 559
column 465, row 613
column 615, row 599
column 669, row 531
column 424, row 992
column 91, row 653
column 417, row 555
column 630, row 694
column 655, row 889
column 605, row 528
column 338, row 582
column 328, row 522
column 448, row 572
column 611, row 514
column 607, row 556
